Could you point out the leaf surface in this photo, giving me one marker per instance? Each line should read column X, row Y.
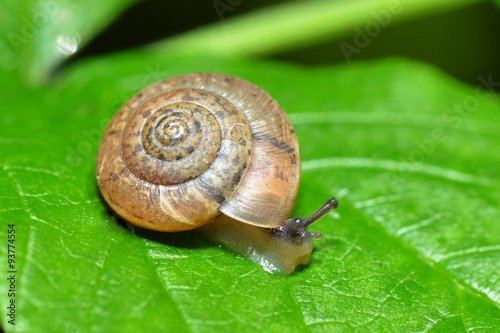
column 37, row 35
column 414, row 245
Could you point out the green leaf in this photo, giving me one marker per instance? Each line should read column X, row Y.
column 41, row 34
column 299, row 23
column 414, row 245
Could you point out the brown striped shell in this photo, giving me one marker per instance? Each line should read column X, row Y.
column 187, row 149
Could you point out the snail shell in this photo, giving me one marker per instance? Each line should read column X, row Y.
column 186, row 150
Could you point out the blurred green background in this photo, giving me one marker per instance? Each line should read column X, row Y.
column 463, row 42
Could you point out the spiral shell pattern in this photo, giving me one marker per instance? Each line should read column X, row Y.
column 186, row 149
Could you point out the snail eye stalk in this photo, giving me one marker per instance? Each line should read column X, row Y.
column 296, row 228
column 324, row 209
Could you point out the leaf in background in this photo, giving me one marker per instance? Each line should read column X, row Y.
column 37, row 35
column 299, row 23
column 40, row 34
column 414, row 245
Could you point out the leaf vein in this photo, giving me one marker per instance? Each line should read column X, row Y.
column 392, row 165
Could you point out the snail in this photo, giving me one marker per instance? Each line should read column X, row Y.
column 213, row 153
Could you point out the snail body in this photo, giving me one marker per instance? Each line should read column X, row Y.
column 202, row 149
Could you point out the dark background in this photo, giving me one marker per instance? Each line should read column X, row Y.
column 464, row 43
